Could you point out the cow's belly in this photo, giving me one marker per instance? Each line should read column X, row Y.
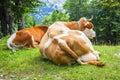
column 88, row 57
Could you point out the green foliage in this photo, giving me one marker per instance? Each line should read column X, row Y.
column 29, row 21
column 55, row 16
column 25, row 6
column 29, row 65
column 108, row 19
column 76, row 8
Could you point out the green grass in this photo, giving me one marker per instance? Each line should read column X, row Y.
column 29, row 65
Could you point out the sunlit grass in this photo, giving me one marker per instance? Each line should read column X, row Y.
column 29, row 65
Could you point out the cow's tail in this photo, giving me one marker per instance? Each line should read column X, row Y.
column 96, row 63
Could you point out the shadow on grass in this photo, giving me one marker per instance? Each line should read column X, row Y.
column 48, row 63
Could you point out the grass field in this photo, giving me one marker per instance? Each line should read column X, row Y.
column 29, row 65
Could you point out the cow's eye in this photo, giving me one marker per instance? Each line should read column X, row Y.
column 85, row 26
column 16, row 43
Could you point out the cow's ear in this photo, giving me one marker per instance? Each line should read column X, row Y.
column 89, row 26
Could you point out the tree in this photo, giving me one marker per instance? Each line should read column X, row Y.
column 6, row 17
column 107, row 20
column 76, row 8
column 55, row 16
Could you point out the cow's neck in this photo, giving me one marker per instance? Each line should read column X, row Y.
column 73, row 25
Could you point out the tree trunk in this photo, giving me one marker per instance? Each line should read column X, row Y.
column 11, row 24
column 4, row 18
column 21, row 24
column 7, row 19
column 21, row 20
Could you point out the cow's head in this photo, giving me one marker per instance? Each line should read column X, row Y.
column 10, row 43
column 87, row 27
column 14, row 42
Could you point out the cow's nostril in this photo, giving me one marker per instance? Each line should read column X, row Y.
column 11, row 45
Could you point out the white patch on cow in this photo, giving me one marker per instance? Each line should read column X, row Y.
column 50, row 26
column 55, row 24
column 65, row 32
column 96, row 53
column 44, row 55
column 86, row 23
column 15, row 46
column 61, row 41
column 88, row 57
column 47, row 44
column 65, row 29
column 83, row 18
column 90, row 33
column 80, row 62
column 59, row 36
column 9, row 41
column 81, row 34
column 33, row 39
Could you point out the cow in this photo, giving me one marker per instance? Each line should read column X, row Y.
column 64, row 46
column 27, row 38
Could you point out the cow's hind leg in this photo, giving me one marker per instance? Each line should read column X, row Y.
column 66, row 48
column 30, row 42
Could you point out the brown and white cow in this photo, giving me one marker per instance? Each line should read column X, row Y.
column 26, row 38
column 62, row 45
